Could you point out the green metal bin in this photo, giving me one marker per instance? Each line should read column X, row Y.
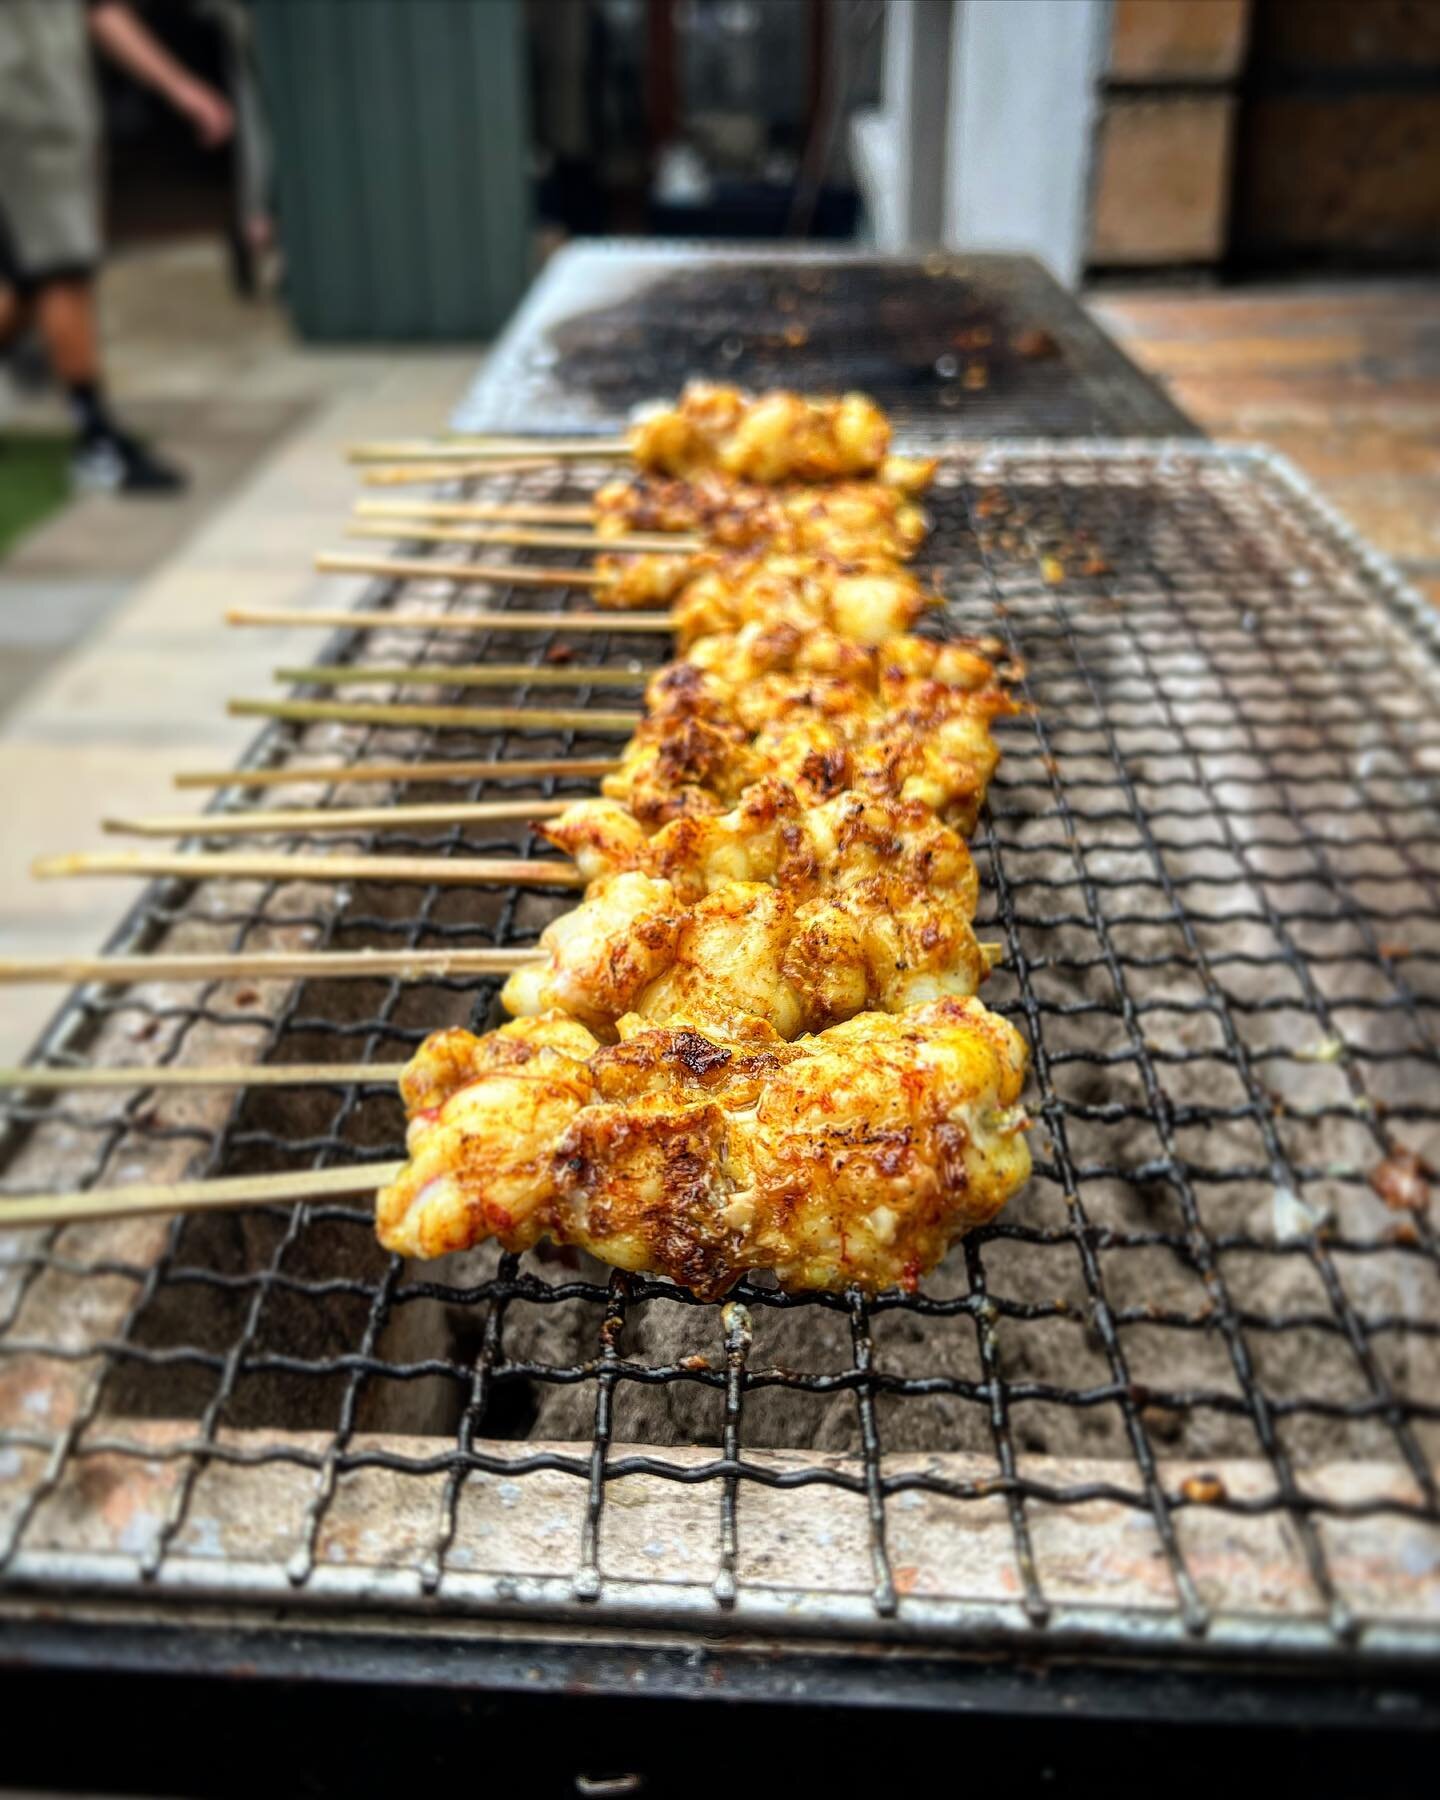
column 399, row 131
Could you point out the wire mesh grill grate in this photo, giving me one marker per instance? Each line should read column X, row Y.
column 1187, row 1379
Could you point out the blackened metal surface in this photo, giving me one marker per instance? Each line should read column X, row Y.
column 569, row 1717
column 983, row 346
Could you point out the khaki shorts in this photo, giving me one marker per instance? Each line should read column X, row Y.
column 49, row 141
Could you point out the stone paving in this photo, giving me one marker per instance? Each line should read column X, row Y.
column 113, row 656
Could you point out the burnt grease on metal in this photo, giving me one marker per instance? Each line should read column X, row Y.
column 984, row 345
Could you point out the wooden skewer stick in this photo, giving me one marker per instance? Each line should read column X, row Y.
column 266, row 965
column 427, row 568
column 465, row 675
column 459, row 718
column 225, row 1194
column 529, row 536
column 259, row 965
column 443, row 871
column 215, row 1075
column 636, row 624
column 501, row 512
column 331, row 818
column 483, row 449
column 486, row 674
column 351, row 773
column 412, row 474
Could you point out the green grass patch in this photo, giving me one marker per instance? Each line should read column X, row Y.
column 34, row 480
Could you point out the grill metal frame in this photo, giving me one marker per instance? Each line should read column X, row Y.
column 1065, row 631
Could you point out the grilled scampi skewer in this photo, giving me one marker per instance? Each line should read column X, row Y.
column 702, row 750
column 849, row 520
column 799, row 917
column 775, row 833
column 771, row 438
column 853, row 1157
column 760, row 438
column 732, row 515
column 868, row 599
column 769, row 646
column 842, row 519
column 867, row 596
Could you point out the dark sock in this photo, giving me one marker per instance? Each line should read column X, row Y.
column 89, row 411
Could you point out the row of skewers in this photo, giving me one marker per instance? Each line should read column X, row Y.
column 754, row 1043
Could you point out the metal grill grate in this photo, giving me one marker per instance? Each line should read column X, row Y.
column 1182, row 1392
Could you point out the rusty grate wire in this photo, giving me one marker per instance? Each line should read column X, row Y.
column 1184, row 1386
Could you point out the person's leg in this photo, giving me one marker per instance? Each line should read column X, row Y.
column 106, row 457
column 50, row 239
column 65, row 313
column 15, row 314
column 20, row 353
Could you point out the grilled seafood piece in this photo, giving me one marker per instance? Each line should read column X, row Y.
column 854, row 1157
column 771, row 437
column 772, row 836
column 748, row 949
column 868, row 599
column 770, row 647
column 703, row 743
column 843, row 519
column 769, row 676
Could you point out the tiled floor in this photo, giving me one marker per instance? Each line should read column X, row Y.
column 1344, row 378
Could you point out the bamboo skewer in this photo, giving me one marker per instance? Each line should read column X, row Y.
column 224, row 1194
column 413, row 474
column 444, row 871
column 349, row 773
column 458, row 718
column 265, row 965
column 486, row 449
column 427, row 568
column 311, row 819
column 533, row 537
column 227, row 1075
column 500, row 512
column 637, row 624
column 464, row 675
column 213, row 1075
column 487, row 674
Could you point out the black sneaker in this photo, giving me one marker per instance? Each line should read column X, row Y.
column 113, row 462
